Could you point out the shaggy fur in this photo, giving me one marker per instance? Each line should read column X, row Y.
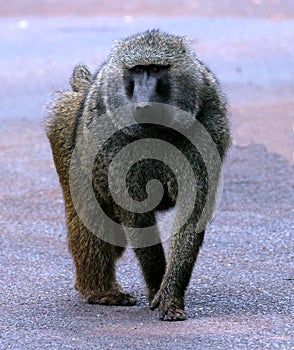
column 195, row 90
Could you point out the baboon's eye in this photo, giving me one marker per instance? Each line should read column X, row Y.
column 138, row 69
column 154, row 69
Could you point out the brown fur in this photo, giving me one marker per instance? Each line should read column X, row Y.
column 95, row 259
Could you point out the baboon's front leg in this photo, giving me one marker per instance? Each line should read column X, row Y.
column 183, row 252
column 143, row 235
column 152, row 261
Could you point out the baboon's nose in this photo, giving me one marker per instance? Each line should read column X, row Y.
column 143, row 107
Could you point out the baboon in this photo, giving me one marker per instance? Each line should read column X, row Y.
column 148, row 68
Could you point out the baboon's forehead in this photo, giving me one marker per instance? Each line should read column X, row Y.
column 150, row 48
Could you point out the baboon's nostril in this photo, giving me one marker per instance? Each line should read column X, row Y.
column 143, row 107
column 146, row 108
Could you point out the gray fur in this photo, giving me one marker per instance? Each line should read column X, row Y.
column 195, row 90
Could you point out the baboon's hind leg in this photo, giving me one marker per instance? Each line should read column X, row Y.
column 95, row 267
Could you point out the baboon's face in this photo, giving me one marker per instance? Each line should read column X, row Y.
column 149, row 89
column 145, row 84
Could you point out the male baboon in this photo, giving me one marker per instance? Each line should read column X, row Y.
column 151, row 67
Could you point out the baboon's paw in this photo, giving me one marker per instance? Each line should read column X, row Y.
column 168, row 310
column 171, row 314
column 113, row 297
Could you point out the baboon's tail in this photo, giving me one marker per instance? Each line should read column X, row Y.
column 81, row 78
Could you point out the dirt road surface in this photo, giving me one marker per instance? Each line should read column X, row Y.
column 241, row 292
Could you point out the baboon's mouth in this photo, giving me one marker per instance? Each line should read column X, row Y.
column 147, row 125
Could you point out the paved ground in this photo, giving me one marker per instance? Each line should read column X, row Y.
column 240, row 296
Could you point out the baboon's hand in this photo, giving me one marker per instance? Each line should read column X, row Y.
column 168, row 309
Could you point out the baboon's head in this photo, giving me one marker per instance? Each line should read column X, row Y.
column 153, row 68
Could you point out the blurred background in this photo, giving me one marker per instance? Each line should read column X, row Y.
column 275, row 9
column 248, row 44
